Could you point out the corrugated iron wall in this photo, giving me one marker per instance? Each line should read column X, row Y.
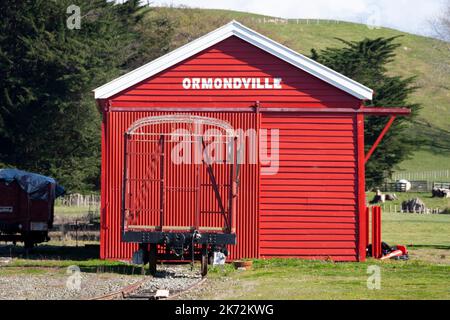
column 177, row 204
column 308, row 209
column 234, row 57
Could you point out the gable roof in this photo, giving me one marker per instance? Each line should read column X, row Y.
column 234, row 28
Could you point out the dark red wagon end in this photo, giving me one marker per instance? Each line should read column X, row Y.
column 26, row 206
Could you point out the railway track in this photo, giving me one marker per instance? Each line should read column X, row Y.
column 120, row 294
column 146, row 294
column 177, row 283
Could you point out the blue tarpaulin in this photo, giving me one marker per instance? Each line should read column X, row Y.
column 35, row 185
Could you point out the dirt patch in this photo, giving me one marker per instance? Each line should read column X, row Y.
column 437, row 256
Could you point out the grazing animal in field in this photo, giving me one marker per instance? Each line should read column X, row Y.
column 379, row 197
column 441, row 193
column 391, row 197
column 414, row 206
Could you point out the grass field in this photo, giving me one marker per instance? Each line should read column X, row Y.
column 73, row 211
column 421, row 57
column 425, row 276
column 427, row 160
column 417, row 230
column 58, row 256
column 296, row 279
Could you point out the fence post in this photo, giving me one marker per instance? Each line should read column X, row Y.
column 78, row 200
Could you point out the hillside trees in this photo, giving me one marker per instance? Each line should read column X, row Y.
column 442, row 24
column 49, row 123
column 367, row 62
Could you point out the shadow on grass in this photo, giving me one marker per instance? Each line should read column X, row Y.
column 437, row 139
column 85, row 257
column 51, row 252
column 117, row 269
column 429, row 246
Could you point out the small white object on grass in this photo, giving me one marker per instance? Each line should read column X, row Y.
column 161, row 294
column 219, row 259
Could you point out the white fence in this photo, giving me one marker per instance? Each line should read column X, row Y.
column 389, row 208
column 422, row 175
column 79, row 200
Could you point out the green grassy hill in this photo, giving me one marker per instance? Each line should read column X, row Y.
column 418, row 56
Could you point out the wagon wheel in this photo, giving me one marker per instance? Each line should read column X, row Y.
column 153, row 258
column 28, row 244
column 145, row 250
column 211, row 258
column 204, row 267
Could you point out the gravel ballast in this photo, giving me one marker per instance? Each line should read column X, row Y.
column 56, row 284
column 175, row 278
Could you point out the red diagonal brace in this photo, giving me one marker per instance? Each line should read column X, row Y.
column 380, row 137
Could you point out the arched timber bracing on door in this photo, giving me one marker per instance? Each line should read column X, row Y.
column 155, row 149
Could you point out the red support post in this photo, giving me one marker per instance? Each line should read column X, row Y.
column 367, row 214
column 376, row 233
column 380, row 252
column 380, row 137
column 361, row 189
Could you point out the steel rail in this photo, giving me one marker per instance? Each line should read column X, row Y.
column 121, row 293
column 127, row 291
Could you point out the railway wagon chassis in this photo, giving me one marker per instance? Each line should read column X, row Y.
column 195, row 230
column 178, row 247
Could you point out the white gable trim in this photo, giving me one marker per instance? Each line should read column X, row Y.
column 234, row 28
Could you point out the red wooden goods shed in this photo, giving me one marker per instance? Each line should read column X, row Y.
column 310, row 204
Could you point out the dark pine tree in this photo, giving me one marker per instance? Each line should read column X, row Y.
column 49, row 122
column 367, row 62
